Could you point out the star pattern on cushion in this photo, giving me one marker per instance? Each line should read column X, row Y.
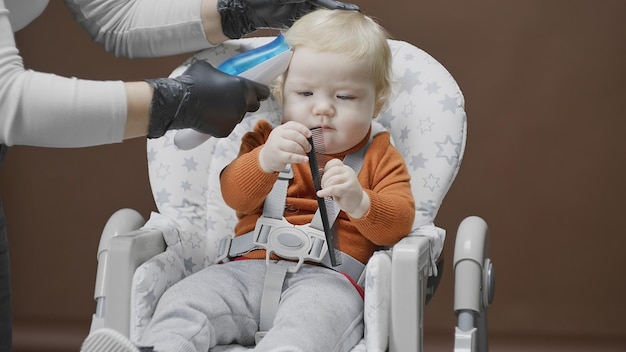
column 196, row 240
column 431, row 182
column 187, row 211
column 151, row 154
column 408, row 109
column 449, row 104
column 417, row 161
column 425, row 125
column 427, row 208
column 448, row 150
column 404, row 133
column 162, row 171
column 189, row 264
column 432, row 88
column 210, row 223
column 409, row 80
column 190, row 164
column 162, row 197
column 385, row 118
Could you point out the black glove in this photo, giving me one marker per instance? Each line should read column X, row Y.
column 202, row 98
column 240, row 17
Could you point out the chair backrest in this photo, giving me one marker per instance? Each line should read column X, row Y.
column 425, row 117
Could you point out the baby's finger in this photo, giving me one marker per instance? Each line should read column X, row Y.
column 332, row 163
column 299, row 133
column 298, row 127
column 325, row 192
column 293, row 158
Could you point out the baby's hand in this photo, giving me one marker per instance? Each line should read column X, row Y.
column 340, row 182
column 286, row 144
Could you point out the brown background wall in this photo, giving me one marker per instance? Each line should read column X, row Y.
column 545, row 165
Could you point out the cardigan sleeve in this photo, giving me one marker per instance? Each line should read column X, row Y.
column 392, row 207
column 244, row 184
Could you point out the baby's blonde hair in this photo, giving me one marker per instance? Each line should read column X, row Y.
column 348, row 33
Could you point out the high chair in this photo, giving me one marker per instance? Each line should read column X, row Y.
column 139, row 260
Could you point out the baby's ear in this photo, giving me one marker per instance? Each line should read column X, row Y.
column 381, row 101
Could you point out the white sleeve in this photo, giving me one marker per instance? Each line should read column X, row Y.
column 143, row 28
column 46, row 110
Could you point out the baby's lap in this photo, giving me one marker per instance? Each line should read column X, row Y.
column 229, row 276
column 321, row 287
column 249, row 275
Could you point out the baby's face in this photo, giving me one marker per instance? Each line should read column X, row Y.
column 331, row 91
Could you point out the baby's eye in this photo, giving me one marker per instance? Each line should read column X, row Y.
column 345, row 97
column 305, row 93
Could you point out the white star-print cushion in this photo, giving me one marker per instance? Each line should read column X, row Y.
column 426, row 119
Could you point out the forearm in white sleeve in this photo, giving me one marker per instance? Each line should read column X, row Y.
column 54, row 111
column 46, row 110
column 143, row 28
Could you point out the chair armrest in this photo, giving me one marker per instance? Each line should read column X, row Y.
column 474, row 284
column 119, row 256
column 409, row 273
column 470, row 251
column 126, row 253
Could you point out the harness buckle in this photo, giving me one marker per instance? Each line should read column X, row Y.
column 286, row 173
column 296, row 242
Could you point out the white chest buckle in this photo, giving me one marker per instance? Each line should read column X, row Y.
column 296, row 242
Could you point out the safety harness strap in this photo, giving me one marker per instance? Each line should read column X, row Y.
column 274, row 204
column 272, row 289
column 274, row 207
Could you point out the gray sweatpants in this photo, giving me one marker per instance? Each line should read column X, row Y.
column 320, row 310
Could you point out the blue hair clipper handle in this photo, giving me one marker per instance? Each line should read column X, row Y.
column 261, row 65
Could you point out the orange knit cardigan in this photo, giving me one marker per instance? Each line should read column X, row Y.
column 384, row 176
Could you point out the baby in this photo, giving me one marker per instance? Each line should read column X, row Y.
column 338, row 80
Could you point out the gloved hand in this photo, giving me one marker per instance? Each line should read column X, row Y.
column 240, row 17
column 202, row 98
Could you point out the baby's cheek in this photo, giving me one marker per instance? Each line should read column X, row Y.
column 288, row 112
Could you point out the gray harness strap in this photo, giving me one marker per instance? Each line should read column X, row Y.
column 272, row 289
column 274, row 205
column 274, row 208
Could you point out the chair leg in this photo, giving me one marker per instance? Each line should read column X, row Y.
column 483, row 336
column 465, row 332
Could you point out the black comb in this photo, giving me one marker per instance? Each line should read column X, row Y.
column 317, row 161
